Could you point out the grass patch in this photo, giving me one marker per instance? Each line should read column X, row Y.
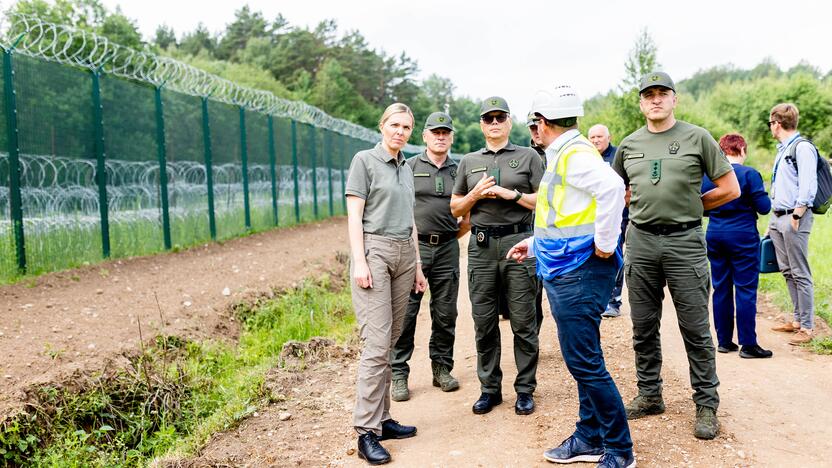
column 172, row 395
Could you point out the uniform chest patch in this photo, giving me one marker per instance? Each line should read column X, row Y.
column 453, row 172
column 673, row 148
column 513, row 163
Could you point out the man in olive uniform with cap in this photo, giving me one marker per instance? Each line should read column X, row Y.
column 662, row 163
column 497, row 185
column 434, row 173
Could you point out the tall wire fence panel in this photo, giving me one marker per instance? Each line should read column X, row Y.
column 107, row 151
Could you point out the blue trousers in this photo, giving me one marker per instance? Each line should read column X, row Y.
column 735, row 260
column 578, row 298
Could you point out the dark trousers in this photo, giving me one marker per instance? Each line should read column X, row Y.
column 615, row 297
column 735, row 260
column 440, row 264
column 489, row 272
column 578, row 298
column 680, row 262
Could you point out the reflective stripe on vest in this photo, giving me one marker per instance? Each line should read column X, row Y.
column 550, row 220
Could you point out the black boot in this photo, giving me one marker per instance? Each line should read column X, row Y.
column 371, row 450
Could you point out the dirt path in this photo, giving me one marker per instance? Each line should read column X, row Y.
column 82, row 320
column 774, row 412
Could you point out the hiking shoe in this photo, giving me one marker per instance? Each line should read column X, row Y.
column 443, row 379
column 785, row 327
column 399, row 391
column 801, row 337
column 707, row 424
column 754, row 352
column 610, row 460
column 611, row 312
column 728, row 348
column 574, row 450
column 644, row 405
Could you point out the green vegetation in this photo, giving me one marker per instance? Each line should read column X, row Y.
column 175, row 393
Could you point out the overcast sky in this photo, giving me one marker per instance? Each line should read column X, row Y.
column 515, row 48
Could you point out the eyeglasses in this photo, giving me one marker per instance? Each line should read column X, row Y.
column 489, row 118
column 772, row 122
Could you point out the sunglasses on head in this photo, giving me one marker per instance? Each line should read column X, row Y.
column 489, row 118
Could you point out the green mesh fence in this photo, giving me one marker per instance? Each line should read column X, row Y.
column 155, row 165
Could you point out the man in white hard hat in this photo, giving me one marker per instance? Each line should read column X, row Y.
column 576, row 229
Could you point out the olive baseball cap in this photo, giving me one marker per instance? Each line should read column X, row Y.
column 494, row 103
column 439, row 120
column 656, row 78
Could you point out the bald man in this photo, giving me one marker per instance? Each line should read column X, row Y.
column 600, row 136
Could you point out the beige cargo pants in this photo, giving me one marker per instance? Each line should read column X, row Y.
column 380, row 312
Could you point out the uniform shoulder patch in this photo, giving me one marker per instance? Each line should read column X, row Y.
column 513, row 163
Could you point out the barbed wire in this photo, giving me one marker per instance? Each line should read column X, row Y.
column 31, row 36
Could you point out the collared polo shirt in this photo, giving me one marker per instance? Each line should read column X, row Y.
column 386, row 185
column 514, row 167
column 433, row 186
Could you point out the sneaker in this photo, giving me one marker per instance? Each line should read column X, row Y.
column 787, row 327
column 399, row 391
column 754, row 352
column 644, row 405
column 611, row 311
column 610, row 460
column 707, row 424
column 443, row 379
column 801, row 337
column 729, row 348
column 574, row 450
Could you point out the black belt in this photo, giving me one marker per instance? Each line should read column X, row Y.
column 665, row 229
column 782, row 212
column 500, row 231
column 436, row 239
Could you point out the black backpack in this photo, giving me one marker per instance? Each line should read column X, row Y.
column 823, row 196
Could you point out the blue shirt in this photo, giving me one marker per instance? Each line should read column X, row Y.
column 792, row 187
column 739, row 215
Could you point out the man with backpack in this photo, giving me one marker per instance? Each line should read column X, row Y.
column 794, row 184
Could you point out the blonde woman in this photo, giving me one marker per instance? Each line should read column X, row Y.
column 384, row 269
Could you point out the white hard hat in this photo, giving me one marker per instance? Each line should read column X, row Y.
column 560, row 103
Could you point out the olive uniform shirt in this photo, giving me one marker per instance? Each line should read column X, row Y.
column 433, row 187
column 664, row 171
column 514, row 167
column 386, row 183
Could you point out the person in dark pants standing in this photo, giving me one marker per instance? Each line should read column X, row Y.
column 434, row 173
column 600, row 137
column 663, row 163
column 497, row 185
column 734, row 253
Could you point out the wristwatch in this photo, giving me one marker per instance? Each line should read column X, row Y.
column 517, row 195
column 795, row 216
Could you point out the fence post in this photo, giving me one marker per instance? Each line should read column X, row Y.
column 161, row 150
column 327, row 150
column 273, row 168
column 343, row 152
column 244, row 160
column 101, row 167
column 295, row 169
column 313, row 153
column 15, row 196
column 209, row 168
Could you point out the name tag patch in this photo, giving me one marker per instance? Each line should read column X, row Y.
column 421, row 174
column 478, row 169
column 634, row 156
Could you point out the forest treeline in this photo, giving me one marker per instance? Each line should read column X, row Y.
column 341, row 73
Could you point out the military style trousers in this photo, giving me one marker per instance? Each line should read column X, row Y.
column 488, row 272
column 679, row 261
column 440, row 264
column 380, row 314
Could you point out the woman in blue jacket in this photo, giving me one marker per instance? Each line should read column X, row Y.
column 734, row 253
